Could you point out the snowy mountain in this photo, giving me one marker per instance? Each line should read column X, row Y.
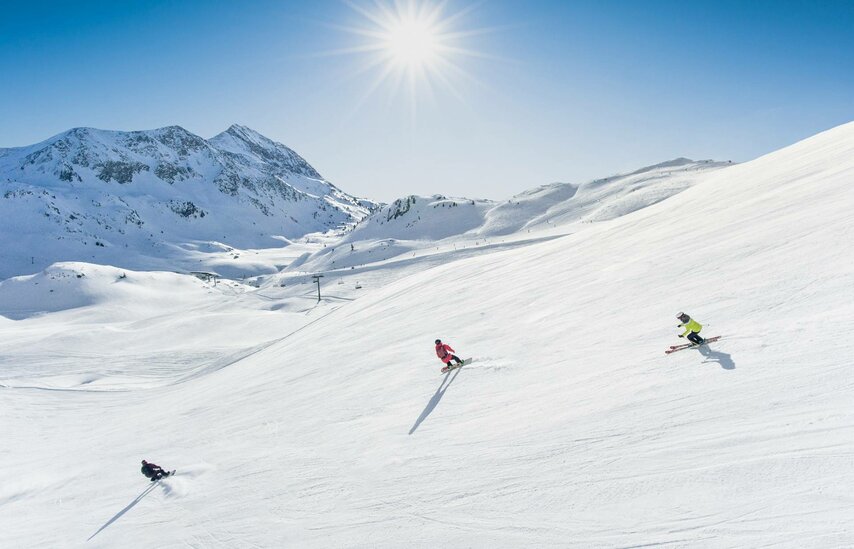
column 438, row 217
column 414, row 224
column 293, row 423
column 598, row 200
column 155, row 199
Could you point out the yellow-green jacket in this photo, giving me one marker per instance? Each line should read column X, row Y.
column 691, row 326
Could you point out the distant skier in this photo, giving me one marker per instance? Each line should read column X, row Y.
column 444, row 352
column 153, row 472
column 692, row 329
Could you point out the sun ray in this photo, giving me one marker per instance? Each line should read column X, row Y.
column 478, row 55
column 414, row 46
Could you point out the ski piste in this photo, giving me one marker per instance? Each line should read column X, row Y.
column 449, row 367
column 674, row 348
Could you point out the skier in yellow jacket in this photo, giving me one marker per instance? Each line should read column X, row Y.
column 692, row 329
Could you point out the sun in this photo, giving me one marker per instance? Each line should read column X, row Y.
column 413, row 43
column 409, row 36
column 412, row 46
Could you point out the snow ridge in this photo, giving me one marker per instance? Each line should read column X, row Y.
column 99, row 195
column 437, row 217
column 415, row 224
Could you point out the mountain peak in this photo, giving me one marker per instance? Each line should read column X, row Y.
column 240, row 128
column 246, row 142
column 246, row 133
column 124, row 192
column 174, row 129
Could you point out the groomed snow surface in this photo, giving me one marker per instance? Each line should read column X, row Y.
column 293, row 424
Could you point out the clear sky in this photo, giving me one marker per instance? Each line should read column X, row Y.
column 510, row 94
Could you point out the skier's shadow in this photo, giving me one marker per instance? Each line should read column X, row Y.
column 724, row 359
column 126, row 509
column 440, row 392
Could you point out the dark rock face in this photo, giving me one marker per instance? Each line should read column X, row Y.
column 120, row 172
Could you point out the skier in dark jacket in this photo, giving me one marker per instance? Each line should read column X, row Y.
column 153, row 471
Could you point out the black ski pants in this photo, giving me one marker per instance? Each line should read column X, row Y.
column 694, row 337
column 157, row 474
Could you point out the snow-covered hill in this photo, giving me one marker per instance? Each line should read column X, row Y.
column 158, row 199
column 421, row 224
column 439, row 217
column 598, row 200
column 328, row 425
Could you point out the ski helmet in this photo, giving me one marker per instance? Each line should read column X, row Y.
column 683, row 317
column 438, row 341
column 144, row 462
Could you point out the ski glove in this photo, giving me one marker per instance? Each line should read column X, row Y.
column 680, row 335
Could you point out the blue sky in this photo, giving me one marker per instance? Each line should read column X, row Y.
column 558, row 91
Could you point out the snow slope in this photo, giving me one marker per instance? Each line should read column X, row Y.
column 598, row 200
column 157, row 199
column 82, row 326
column 570, row 429
column 439, row 217
column 420, row 224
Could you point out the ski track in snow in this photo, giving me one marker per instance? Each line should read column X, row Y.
column 293, row 423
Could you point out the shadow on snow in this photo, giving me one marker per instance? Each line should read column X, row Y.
column 440, row 392
column 130, row 506
column 724, row 359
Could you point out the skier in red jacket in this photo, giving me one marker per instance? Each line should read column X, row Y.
column 444, row 352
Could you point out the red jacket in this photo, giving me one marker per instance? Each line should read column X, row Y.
column 443, row 351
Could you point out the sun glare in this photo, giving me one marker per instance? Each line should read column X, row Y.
column 411, row 45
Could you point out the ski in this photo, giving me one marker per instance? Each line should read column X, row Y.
column 674, row 348
column 166, row 474
column 448, row 368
